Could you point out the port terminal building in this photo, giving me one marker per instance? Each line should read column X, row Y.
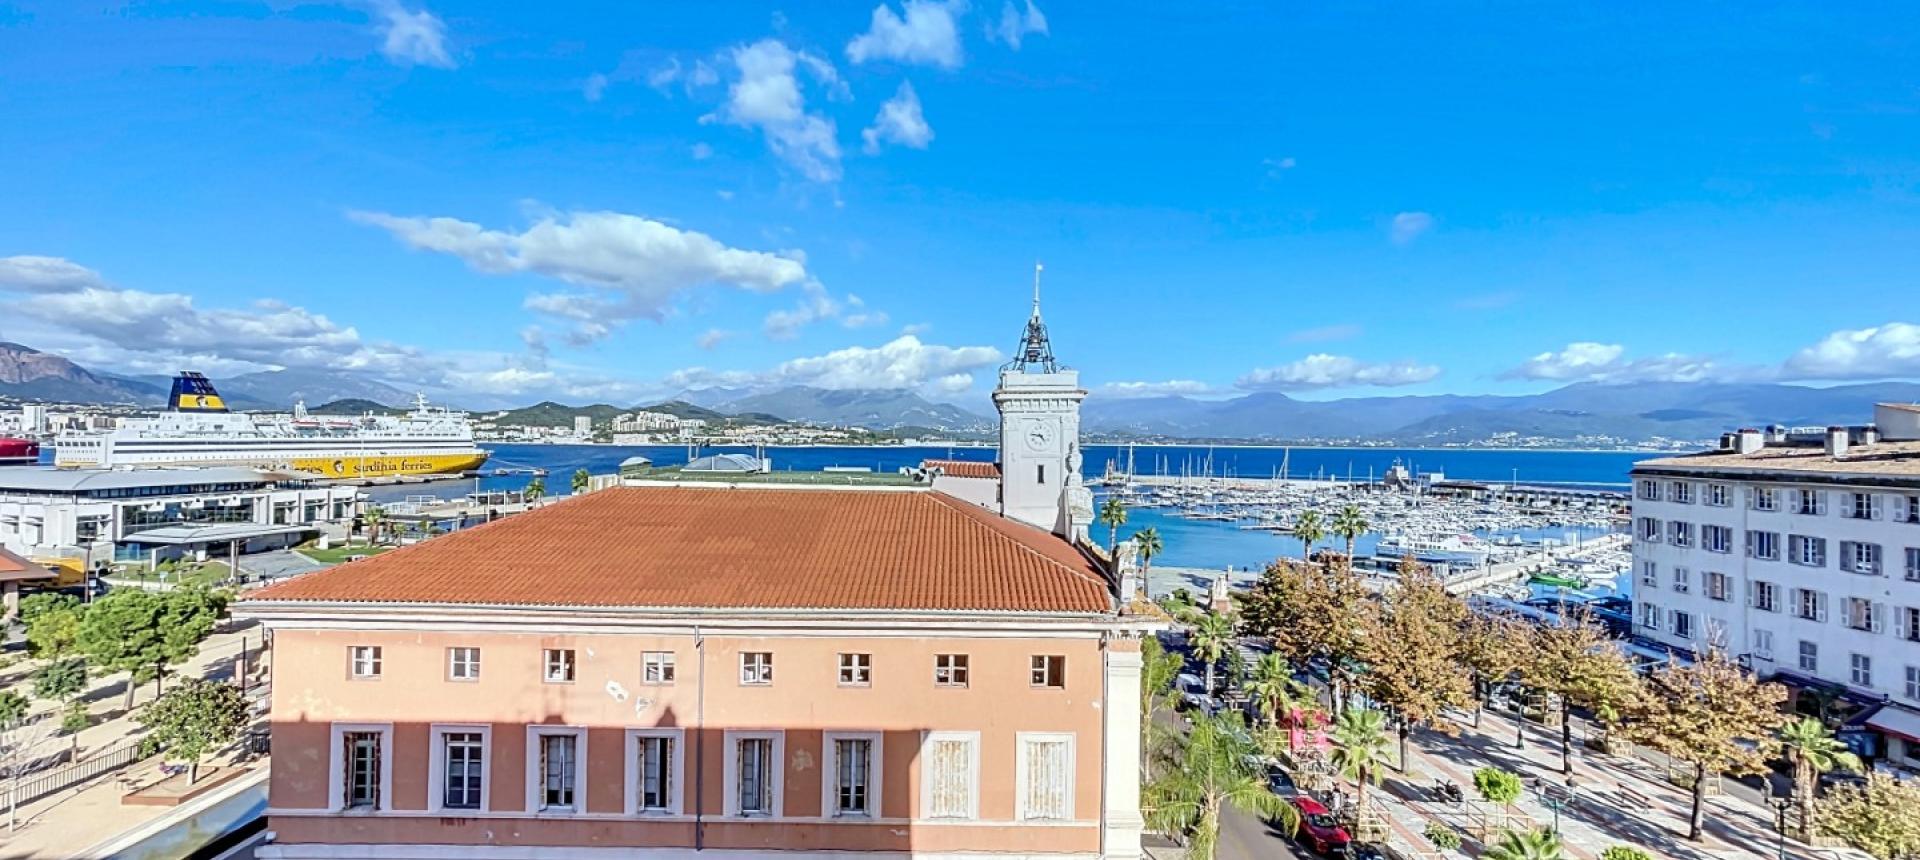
column 88, row 519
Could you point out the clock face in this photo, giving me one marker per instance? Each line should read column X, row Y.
column 1039, row 435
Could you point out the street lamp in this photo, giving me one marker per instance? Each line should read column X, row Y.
column 1780, row 805
column 1555, row 797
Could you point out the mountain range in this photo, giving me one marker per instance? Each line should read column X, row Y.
column 1585, row 413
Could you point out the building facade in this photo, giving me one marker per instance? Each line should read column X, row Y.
column 1800, row 553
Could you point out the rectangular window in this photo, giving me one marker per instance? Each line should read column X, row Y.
column 1809, row 604
column 856, row 670
column 753, row 776
column 1040, row 472
column 1762, row 644
column 950, row 789
column 1049, row 670
column 1810, row 502
column 1719, row 586
column 1045, row 777
column 1649, row 529
column 1862, row 667
column 756, row 668
column 1910, row 509
column 1913, row 564
column 1862, row 506
column 1809, row 551
column 1679, row 533
column 654, row 759
column 463, row 755
column 559, row 771
column 1860, row 557
column 1682, row 625
column 853, row 774
column 1649, row 573
column 1908, row 619
column 1718, row 495
column 1649, row 616
column 1764, row 545
column 1765, row 499
column 1681, row 492
column 1862, row 615
column 362, row 769
column 1716, row 538
column 365, row 660
column 1913, row 683
column 1766, row 596
column 1809, row 656
column 1649, row 490
column 950, row 670
column 1682, row 581
column 559, row 666
column 656, row 667
column 463, row 664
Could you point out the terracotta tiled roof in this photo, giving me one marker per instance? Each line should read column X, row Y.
column 702, row 547
column 13, row 567
column 963, row 468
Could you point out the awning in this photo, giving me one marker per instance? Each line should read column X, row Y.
column 1898, row 721
column 176, row 535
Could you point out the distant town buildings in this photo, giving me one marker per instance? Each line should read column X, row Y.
column 582, row 425
column 1798, row 551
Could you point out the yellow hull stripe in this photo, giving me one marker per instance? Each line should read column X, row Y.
column 354, row 466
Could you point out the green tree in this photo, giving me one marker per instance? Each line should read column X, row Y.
column 1217, row 767
column 1580, row 664
column 1493, row 646
column 13, row 708
column 375, row 517
column 535, row 489
column 1414, row 660
column 1442, row 837
column 144, row 633
column 195, row 718
column 1349, row 523
column 1360, row 748
column 1159, row 668
column 1542, row 844
column 1880, row 817
column 53, row 621
column 1273, row 689
column 1624, row 852
column 1710, row 714
column 1113, row 515
column 60, row 680
column 1497, row 785
column 1314, row 615
column 1213, row 637
column 1812, row 750
column 1147, row 542
column 1308, row 529
column 580, row 481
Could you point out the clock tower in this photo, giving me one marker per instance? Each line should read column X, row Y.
column 1039, row 405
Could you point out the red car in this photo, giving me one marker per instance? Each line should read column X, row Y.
column 1319, row 829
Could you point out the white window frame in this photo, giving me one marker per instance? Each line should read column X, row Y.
column 1717, row 585
column 1020, row 773
column 658, row 668
column 730, row 782
column 1673, row 624
column 676, row 771
column 1800, row 656
column 1761, row 643
column 337, row 766
column 1046, row 661
column 1765, row 499
column 1716, row 538
column 537, row 778
column 963, row 669
column 570, row 660
column 437, row 766
column 1913, row 563
column 453, row 663
column 1680, row 492
column 1913, row 683
column 1649, row 616
column 1650, row 573
column 375, row 658
column 1855, row 669
column 759, row 678
column 972, row 740
column 1682, row 580
column 1719, row 495
column 1760, row 587
column 830, row 775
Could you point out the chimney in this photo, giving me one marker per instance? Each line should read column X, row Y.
column 1869, row 435
column 1729, row 441
column 1748, row 441
column 1837, row 442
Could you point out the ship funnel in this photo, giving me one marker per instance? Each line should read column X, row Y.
column 193, row 392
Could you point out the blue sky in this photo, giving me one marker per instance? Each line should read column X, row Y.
column 614, row 201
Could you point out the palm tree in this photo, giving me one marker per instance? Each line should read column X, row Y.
column 580, row 481
column 1147, row 542
column 1309, row 529
column 1542, row 844
column 1113, row 515
column 1212, row 638
column 374, row 517
column 1274, row 690
column 1813, row 750
column 1218, row 767
column 1360, row 748
column 535, row 489
column 1350, row 523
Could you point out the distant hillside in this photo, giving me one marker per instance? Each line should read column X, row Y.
column 683, row 409
column 551, row 414
column 354, row 406
column 29, row 374
column 879, row 409
column 280, row 388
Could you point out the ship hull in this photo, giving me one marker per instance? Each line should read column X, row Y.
column 374, row 466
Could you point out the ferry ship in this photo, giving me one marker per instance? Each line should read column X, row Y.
column 197, row 430
column 1456, row 550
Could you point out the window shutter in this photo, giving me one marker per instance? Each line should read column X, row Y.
column 1900, row 625
column 1753, row 598
column 1877, row 617
column 1820, row 606
column 1873, row 507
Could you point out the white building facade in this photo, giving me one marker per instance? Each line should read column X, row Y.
column 1798, row 553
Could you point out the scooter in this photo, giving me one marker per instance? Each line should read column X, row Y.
column 1449, row 792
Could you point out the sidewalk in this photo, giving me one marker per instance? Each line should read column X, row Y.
column 71, row 820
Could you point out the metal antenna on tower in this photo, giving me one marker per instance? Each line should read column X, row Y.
column 1035, row 348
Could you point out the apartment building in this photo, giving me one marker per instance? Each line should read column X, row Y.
column 1799, row 552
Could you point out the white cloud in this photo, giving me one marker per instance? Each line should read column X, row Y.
column 46, row 274
column 925, row 34
column 1277, row 166
column 1588, row 361
column 1185, row 387
column 595, row 87
column 1015, row 25
column 899, row 122
column 1877, row 352
column 1408, row 226
column 701, row 152
column 767, row 96
column 904, row 362
column 1322, row 334
column 412, row 38
column 1337, row 371
column 815, row 305
column 714, row 337
column 642, row 265
column 860, row 316
column 916, row 328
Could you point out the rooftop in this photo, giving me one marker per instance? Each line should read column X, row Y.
column 668, row 547
column 963, row 468
column 1879, row 459
column 13, row 567
column 43, row 479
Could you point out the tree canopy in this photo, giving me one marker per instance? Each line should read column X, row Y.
column 195, row 718
column 1711, row 714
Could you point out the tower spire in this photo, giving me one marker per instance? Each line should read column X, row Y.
column 1035, row 348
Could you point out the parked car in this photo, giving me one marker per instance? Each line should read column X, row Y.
column 1319, row 829
column 1280, row 782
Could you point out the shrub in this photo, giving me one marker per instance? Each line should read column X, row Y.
column 1446, row 838
column 1497, row 786
column 1624, row 852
